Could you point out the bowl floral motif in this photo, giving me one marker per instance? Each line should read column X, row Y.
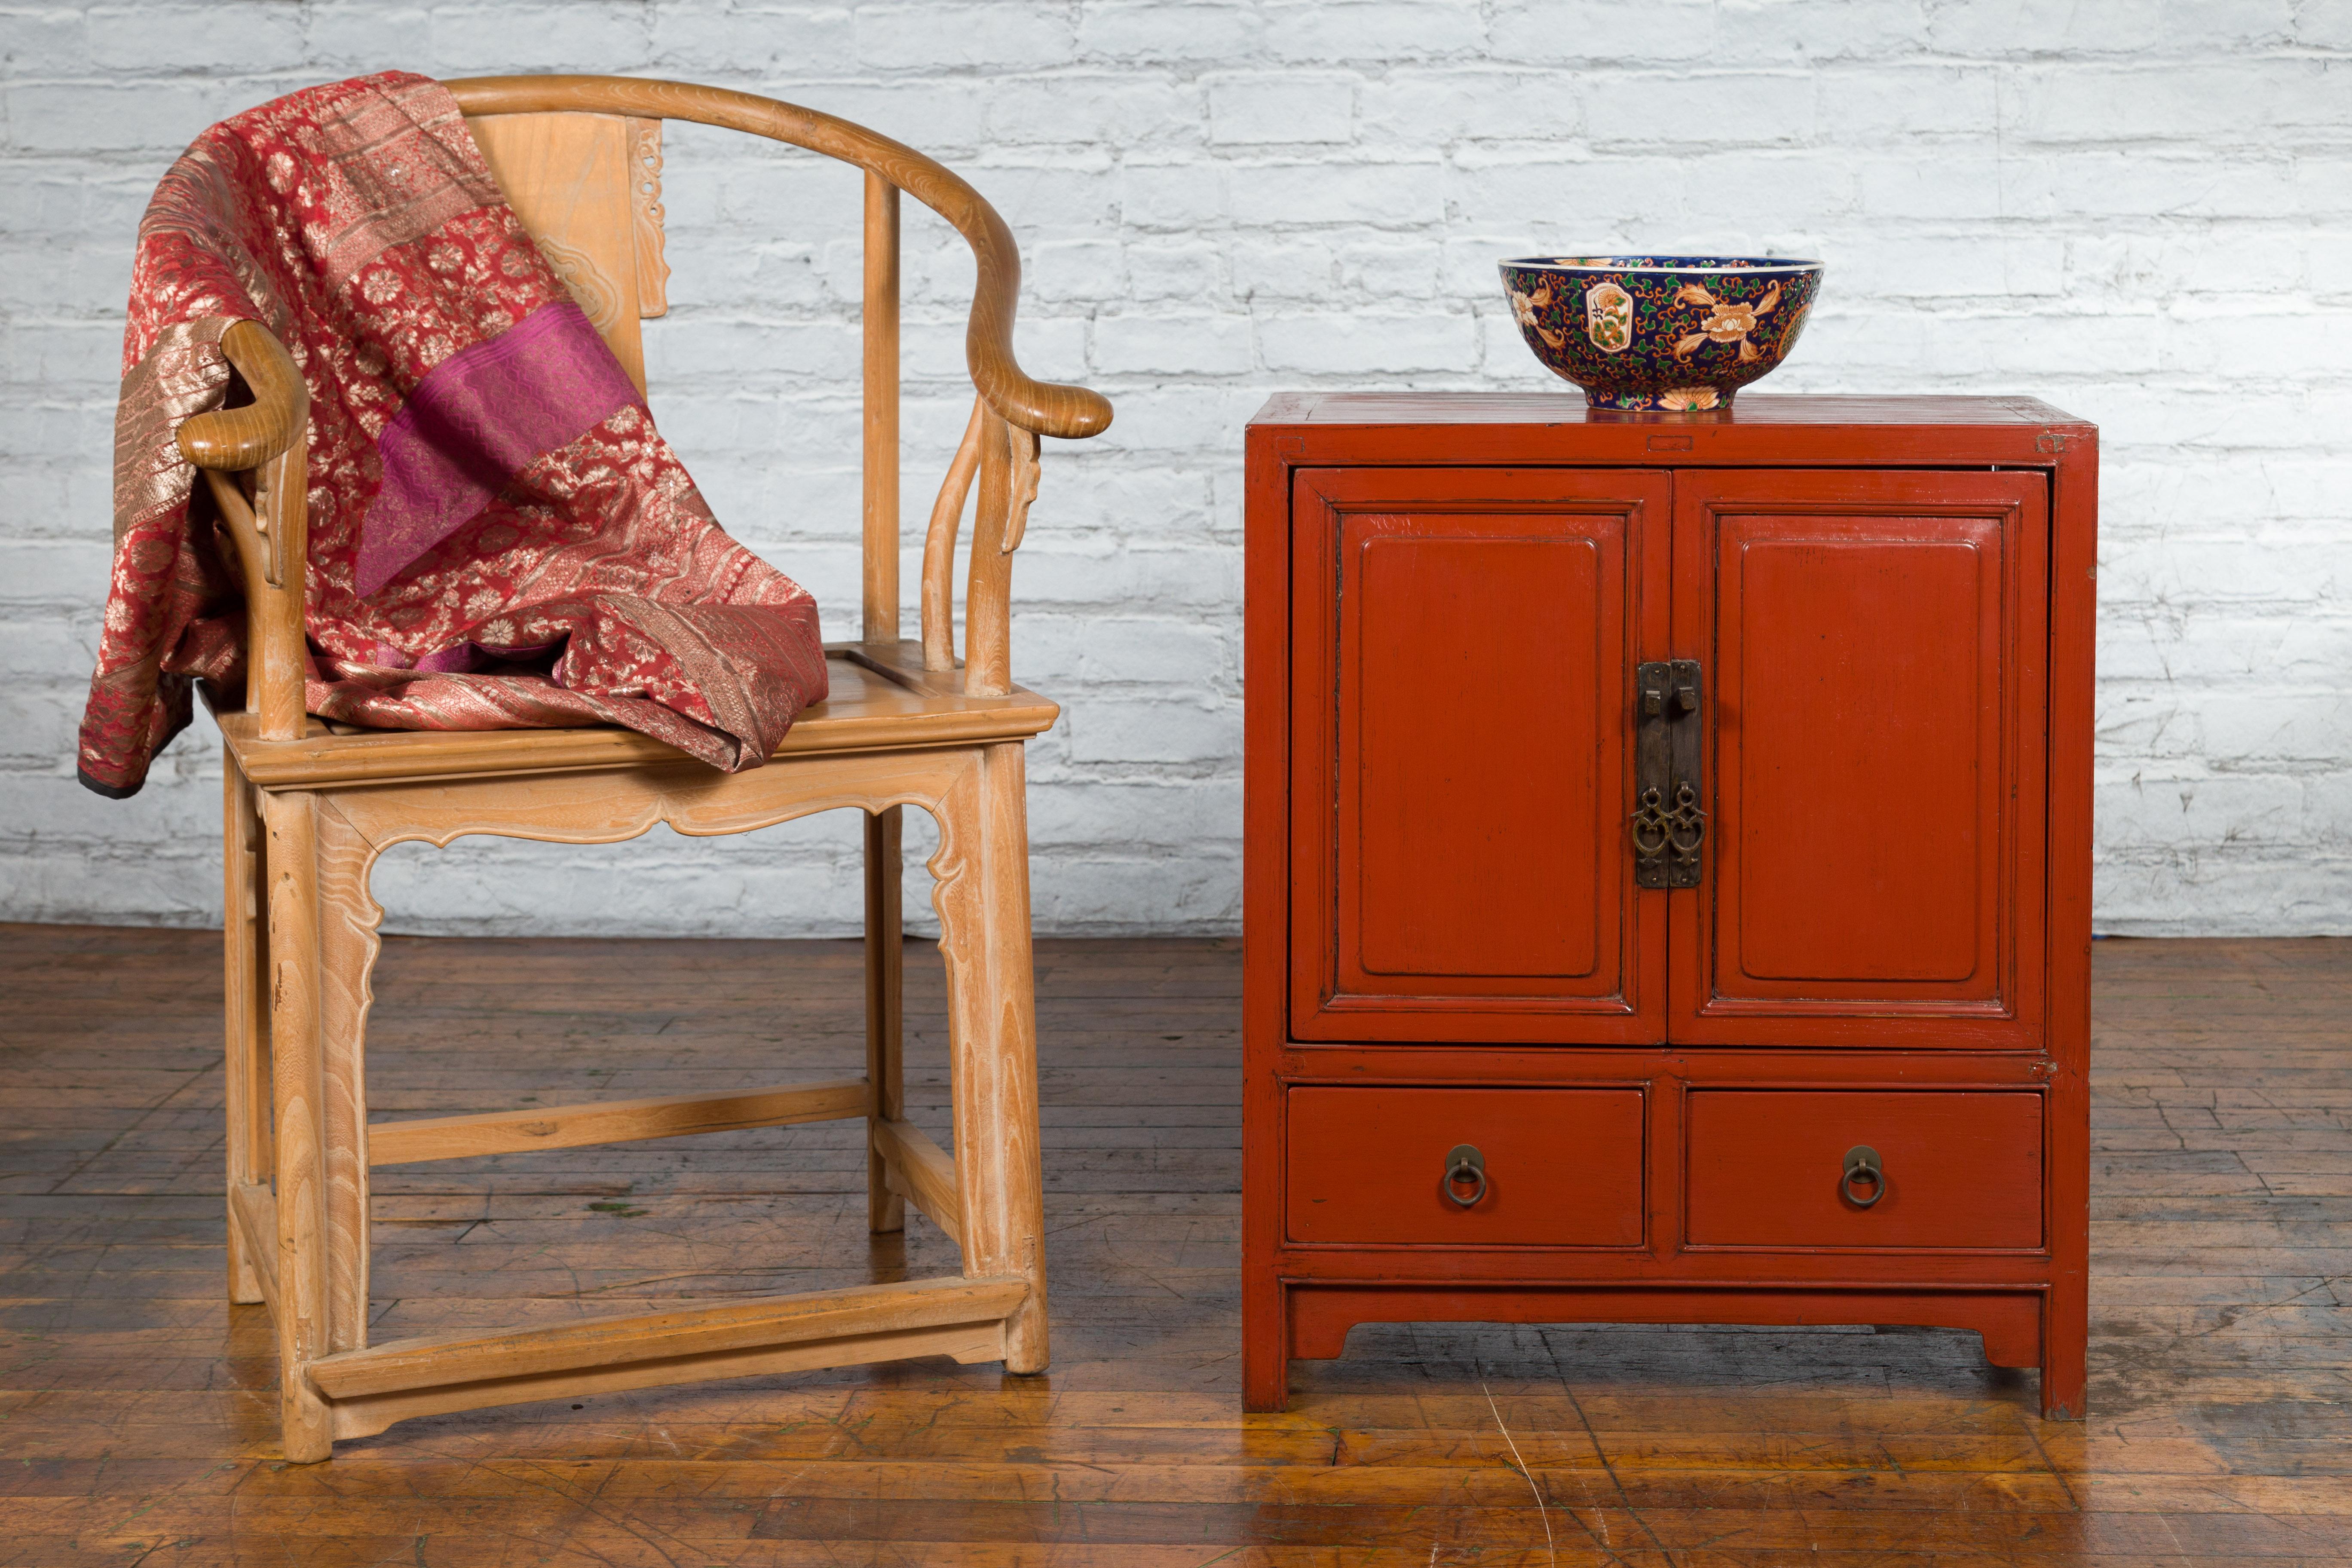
column 1680, row 332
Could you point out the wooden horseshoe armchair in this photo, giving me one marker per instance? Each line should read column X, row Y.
column 309, row 810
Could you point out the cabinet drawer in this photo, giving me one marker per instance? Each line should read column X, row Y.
column 1962, row 1169
column 1562, row 1166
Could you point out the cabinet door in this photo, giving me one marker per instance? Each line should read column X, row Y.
column 1461, row 779
column 1873, row 646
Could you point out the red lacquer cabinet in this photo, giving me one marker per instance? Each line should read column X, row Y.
column 1668, row 869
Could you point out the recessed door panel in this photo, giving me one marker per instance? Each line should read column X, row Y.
column 1461, row 783
column 1446, row 834
column 1873, row 645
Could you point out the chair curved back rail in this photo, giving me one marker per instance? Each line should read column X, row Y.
column 266, row 439
column 1042, row 406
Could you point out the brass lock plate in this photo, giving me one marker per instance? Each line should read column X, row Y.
column 1669, row 816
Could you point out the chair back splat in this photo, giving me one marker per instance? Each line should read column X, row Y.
column 587, row 188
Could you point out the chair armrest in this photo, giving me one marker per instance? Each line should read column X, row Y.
column 1047, row 407
column 269, row 521
column 233, row 440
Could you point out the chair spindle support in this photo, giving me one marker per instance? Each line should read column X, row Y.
column 881, row 458
column 939, row 543
column 1008, row 483
column 885, row 863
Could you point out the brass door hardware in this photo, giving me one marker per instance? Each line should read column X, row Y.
column 1669, row 821
column 1465, row 1166
column 1862, row 1165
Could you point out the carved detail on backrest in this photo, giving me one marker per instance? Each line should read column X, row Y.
column 645, row 197
column 598, row 295
column 1022, row 449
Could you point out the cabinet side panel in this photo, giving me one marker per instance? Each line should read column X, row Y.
column 2074, row 626
column 1265, row 893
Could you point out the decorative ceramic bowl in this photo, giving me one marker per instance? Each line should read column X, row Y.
column 1660, row 331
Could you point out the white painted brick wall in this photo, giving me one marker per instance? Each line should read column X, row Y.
column 2138, row 209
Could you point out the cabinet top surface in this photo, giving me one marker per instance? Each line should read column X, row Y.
column 1568, row 408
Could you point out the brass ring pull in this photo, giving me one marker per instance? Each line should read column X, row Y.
column 1464, row 1164
column 1862, row 1166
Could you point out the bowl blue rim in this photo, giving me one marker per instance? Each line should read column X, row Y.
column 1744, row 263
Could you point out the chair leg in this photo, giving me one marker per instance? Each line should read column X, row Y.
column 246, row 1069
column 347, row 951
column 884, row 1007
column 298, row 1089
column 983, row 906
column 321, row 944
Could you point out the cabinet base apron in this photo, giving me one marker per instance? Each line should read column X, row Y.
column 2015, row 1323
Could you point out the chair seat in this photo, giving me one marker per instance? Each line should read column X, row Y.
column 881, row 698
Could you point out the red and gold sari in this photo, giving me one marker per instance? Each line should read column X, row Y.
column 499, row 537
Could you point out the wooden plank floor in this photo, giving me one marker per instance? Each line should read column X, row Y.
column 136, row 1418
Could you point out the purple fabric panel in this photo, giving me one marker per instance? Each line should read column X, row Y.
column 478, row 418
column 463, row 658
column 466, row 658
column 458, row 658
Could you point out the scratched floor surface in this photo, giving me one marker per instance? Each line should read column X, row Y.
column 136, row 1421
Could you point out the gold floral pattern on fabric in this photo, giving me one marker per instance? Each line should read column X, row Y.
column 182, row 375
column 407, row 165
